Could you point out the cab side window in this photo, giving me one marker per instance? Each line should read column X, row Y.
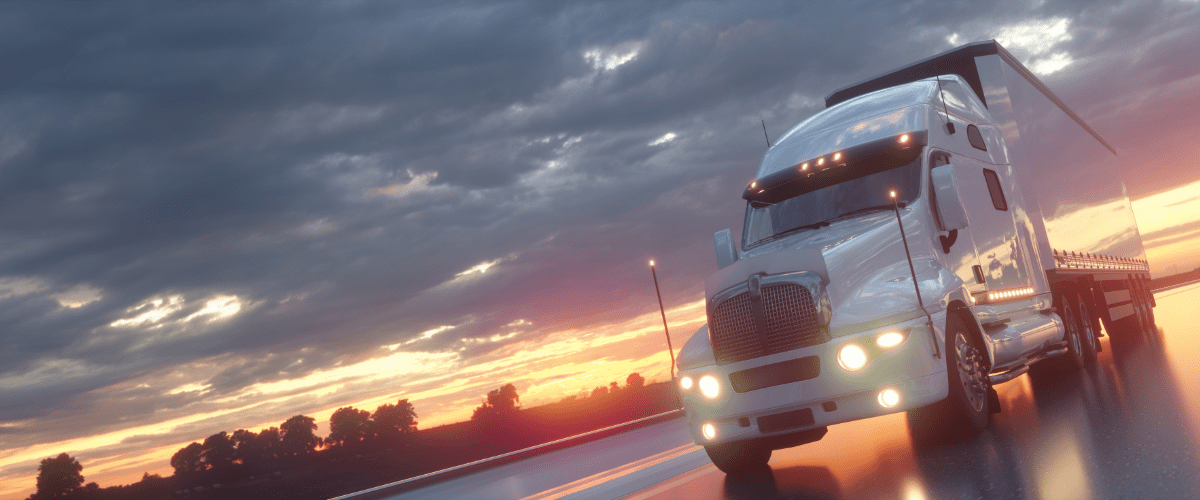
column 993, row 184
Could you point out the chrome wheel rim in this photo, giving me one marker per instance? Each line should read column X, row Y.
column 970, row 372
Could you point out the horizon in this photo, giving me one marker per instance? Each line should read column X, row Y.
column 217, row 217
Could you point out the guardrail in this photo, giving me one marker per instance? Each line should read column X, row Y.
column 413, row 483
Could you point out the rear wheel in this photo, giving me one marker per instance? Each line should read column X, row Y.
column 1132, row 329
column 739, row 457
column 965, row 411
column 1087, row 332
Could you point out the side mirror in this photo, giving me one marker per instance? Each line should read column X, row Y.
column 726, row 255
column 951, row 213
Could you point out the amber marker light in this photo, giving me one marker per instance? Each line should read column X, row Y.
column 903, row 138
column 837, row 156
column 803, row 166
column 753, row 184
column 820, row 161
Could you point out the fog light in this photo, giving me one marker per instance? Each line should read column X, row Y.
column 710, row 387
column 710, row 432
column 851, row 357
column 889, row 398
column 685, row 383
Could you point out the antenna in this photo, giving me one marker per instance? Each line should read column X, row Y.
column 670, row 349
column 937, row 352
column 764, row 122
column 946, row 110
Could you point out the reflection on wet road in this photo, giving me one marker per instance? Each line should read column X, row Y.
column 1127, row 428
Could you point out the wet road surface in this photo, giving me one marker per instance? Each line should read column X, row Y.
column 1126, row 428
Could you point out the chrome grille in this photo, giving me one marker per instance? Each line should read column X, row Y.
column 791, row 317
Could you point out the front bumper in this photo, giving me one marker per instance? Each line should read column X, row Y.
column 834, row 396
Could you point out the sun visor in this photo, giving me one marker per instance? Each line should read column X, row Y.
column 778, row 262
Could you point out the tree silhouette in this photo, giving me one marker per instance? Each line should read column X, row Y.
column 58, row 477
column 634, row 381
column 391, row 421
column 348, row 426
column 501, row 403
column 246, row 450
column 299, row 437
column 269, row 444
column 218, row 451
column 599, row 391
column 188, row 460
column 613, row 388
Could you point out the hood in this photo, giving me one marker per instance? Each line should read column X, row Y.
column 869, row 282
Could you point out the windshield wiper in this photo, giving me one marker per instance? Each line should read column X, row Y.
column 815, row 225
column 863, row 211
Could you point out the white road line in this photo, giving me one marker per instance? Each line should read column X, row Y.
column 611, row 474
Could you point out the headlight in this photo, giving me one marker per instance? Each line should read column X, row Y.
column 889, row 398
column 710, row 432
column 851, row 357
column 685, row 383
column 889, row 339
column 710, row 387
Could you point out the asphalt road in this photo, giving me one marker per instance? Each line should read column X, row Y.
column 1127, row 428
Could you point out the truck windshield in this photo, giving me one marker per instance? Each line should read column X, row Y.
column 815, row 209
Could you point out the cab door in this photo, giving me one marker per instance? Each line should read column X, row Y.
column 1002, row 255
column 993, row 227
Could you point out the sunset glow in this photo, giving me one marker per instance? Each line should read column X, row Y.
column 213, row 223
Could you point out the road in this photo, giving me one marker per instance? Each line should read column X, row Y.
column 1127, row 428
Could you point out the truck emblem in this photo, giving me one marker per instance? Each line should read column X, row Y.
column 755, row 285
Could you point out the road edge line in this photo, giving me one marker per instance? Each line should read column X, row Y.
column 512, row 456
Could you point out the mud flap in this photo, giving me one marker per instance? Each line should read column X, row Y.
column 993, row 401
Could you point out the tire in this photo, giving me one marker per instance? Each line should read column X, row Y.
column 1087, row 331
column 1149, row 328
column 1132, row 329
column 1075, row 357
column 739, row 457
column 965, row 411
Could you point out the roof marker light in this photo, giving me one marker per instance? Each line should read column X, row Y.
column 753, row 184
column 804, row 166
column 837, row 156
column 903, row 138
column 820, row 161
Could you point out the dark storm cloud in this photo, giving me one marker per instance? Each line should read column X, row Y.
column 336, row 167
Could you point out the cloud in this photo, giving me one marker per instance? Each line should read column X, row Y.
column 239, row 218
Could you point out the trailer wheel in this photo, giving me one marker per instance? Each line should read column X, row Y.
column 739, row 457
column 1149, row 328
column 965, row 411
column 1133, row 329
column 1087, row 332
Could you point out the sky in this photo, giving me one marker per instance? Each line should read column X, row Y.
column 218, row 215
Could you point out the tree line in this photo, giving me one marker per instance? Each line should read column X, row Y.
column 230, row 459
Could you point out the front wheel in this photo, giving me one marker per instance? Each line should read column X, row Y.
column 965, row 411
column 739, row 457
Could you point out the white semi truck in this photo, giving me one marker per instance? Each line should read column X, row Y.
column 934, row 232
